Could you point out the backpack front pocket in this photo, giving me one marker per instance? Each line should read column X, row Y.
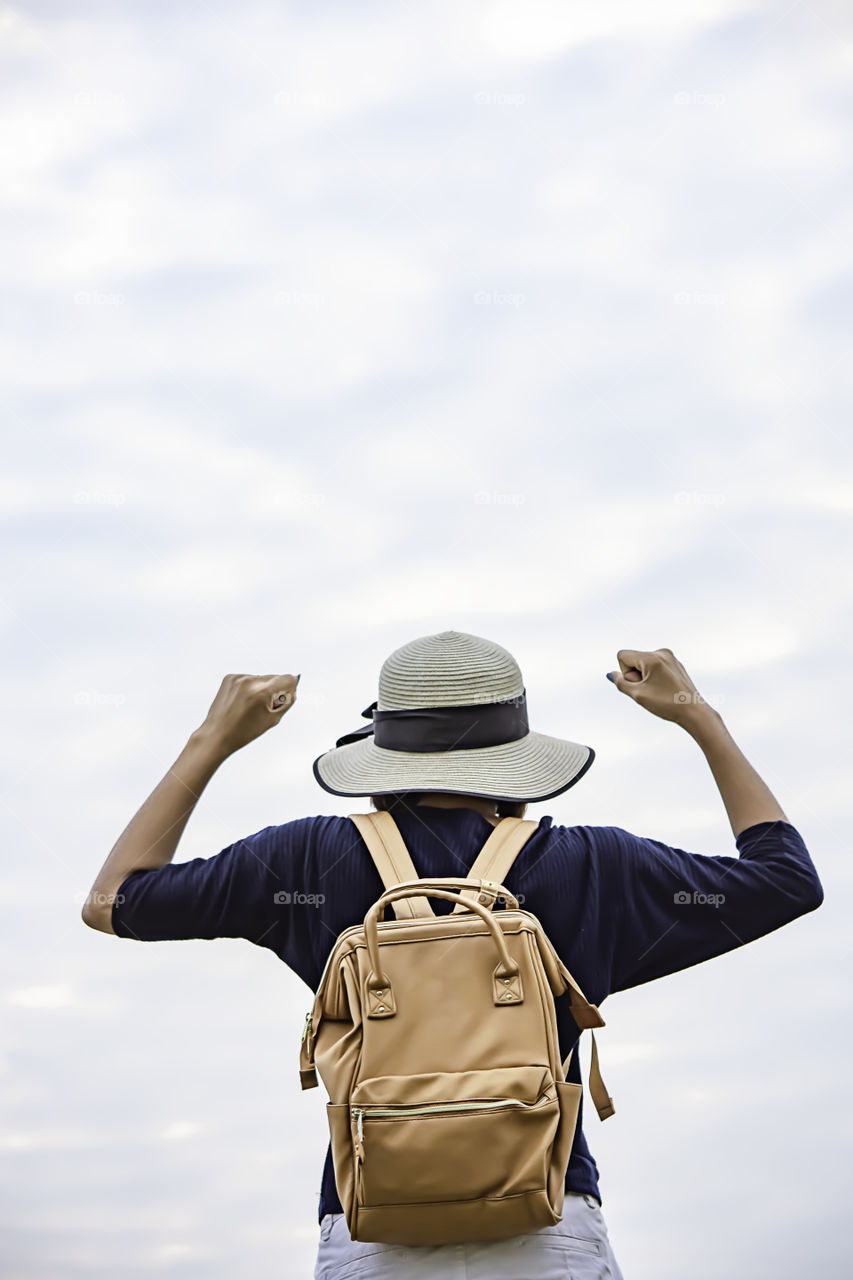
column 453, row 1136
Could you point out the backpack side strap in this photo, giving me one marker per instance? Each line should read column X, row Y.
column 382, row 836
column 499, row 852
column 597, row 1088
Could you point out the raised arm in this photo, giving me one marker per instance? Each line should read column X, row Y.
column 746, row 796
column 152, row 835
column 659, row 682
column 685, row 908
column 245, row 707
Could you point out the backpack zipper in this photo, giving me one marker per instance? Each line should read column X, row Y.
column 433, row 1108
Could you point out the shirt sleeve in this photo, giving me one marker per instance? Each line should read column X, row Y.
column 663, row 909
column 252, row 889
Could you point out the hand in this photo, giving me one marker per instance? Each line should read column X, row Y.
column 659, row 683
column 246, row 706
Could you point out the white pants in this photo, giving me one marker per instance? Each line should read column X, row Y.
column 575, row 1249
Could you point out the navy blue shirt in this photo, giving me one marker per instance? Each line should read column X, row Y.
column 620, row 909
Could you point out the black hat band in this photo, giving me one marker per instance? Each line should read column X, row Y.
column 426, row 729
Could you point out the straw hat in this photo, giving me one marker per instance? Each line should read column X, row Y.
column 451, row 717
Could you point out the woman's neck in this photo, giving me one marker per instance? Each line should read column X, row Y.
column 488, row 808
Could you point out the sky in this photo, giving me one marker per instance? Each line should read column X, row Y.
column 330, row 326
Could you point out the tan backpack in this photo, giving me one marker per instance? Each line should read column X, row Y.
column 436, row 1038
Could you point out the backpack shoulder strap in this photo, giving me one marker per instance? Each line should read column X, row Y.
column 493, row 862
column 382, row 836
column 499, row 853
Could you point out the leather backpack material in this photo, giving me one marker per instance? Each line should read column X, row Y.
column 450, row 1115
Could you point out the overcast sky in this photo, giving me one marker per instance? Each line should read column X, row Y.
column 327, row 326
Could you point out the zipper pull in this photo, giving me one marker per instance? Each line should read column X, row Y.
column 358, row 1116
column 307, row 1070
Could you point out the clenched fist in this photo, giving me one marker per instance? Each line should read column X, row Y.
column 658, row 682
column 246, row 706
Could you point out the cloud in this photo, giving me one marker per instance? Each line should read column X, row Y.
column 48, row 996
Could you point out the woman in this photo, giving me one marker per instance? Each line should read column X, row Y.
column 448, row 752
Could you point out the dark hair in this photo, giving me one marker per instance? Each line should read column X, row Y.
column 386, row 803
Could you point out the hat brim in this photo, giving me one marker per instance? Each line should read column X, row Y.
column 535, row 767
